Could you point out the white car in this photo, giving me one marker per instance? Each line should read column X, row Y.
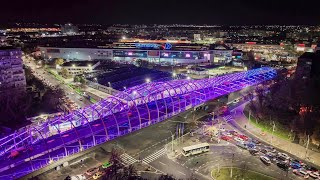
column 235, row 101
column 314, row 175
column 78, row 177
column 238, row 139
column 265, row 160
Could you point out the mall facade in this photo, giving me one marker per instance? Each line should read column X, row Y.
column 166, row 53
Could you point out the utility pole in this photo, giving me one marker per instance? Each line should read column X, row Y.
column 273, row 127
column 231, row 166
column 307, row 146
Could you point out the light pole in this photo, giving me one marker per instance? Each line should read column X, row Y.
column 273, row 127
column 172, row 137
column 307, row 146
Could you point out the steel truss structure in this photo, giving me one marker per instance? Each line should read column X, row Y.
column 128, row 111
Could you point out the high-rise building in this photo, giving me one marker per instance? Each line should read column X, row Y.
column 308, row 65
column 12, row 76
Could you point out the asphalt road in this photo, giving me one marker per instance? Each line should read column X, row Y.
column 46, row 77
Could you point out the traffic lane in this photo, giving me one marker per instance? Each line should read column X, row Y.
column 170, row 167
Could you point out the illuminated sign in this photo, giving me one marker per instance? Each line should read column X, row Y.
column 167, row 46
column 153, row 46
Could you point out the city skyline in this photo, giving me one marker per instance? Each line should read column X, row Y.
column 165, row 12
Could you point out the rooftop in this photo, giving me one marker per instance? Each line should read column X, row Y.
column 79, row 63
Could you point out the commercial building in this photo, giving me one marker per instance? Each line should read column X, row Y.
column 78, row 67
column 158, row 53
column 12, row 74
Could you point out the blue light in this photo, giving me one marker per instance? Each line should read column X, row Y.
column 154, row 46
column 167, row 46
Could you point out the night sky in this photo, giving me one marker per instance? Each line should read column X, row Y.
column 162, row 11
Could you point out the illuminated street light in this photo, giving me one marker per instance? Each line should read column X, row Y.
column 73, row 65
column 134, row 92
column 148, row 80
column 174, row 74
column 188, row 78
column 123, row 37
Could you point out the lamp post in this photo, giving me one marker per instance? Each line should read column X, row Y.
column 172, row 137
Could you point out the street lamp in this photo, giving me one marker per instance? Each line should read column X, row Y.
column 73, row 65
column 172, row 137
column 174, row 74
column 148, row 80
column 188, row 78
column 123, row 37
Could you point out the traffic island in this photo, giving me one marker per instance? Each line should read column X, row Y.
column 238, row 173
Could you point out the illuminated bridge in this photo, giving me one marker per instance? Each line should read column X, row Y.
column 36, row 146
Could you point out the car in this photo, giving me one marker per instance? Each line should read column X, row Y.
column 283, row 157
column 92, row 171
column 106, row 165
column 227, row 134
column 265, row 160
column 235, row 101
column 254, row 152
column 226, row 138
column 238, row 139
column 256, row 141
column 283, row 165
column 242, row 145
column 301, row 173
column 310, row 168
column 97, row 175
column 295, row 165
column 314, row 175
column 243, row 137
column 78, row 177
column 251, row 145
column 234, row 133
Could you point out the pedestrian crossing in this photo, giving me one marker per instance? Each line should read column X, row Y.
column 127, row 159
column 154, row 156
column 228, row 118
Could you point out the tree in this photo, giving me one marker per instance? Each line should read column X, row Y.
column 59, row 61
column 166, row 177
column 52, row 97
column 64, row 72
column 77, row 79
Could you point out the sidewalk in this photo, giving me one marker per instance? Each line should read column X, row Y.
column 297, row 150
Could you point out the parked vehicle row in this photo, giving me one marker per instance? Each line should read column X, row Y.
column 269, row 155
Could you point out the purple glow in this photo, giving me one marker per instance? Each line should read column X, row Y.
column 130, row 53
column 188, row 55
column 125, row 112
column 165, row 54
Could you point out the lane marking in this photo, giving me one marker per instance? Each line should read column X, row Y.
column 162, row 163
column 182, row 173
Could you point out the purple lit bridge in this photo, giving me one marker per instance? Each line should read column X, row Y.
column 37, row 146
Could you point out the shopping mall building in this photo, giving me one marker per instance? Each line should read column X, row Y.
column 161, row 53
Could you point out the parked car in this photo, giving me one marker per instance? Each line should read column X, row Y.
column 301, row 173
column 92, row 171
column 265, row 160
column 314, row 175
column 256, row 141
column 310, row 168
column 106, row 165
column 242, row 145
column 254, row 152
column 97, row 175
column 243, row 137
column 226, row 138
column 78, row 177
column 238, row 139
column 251, row 145
column 283, row 165
column 283, row 157
column 295, row 165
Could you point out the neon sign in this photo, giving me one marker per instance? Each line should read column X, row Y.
column 167, row 46
column 153, row 46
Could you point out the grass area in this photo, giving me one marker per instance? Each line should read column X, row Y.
column 267, row 127
column 57, row 76
column 93, row 100
column 238, row 174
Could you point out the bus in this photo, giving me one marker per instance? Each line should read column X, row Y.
column 195, row 149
